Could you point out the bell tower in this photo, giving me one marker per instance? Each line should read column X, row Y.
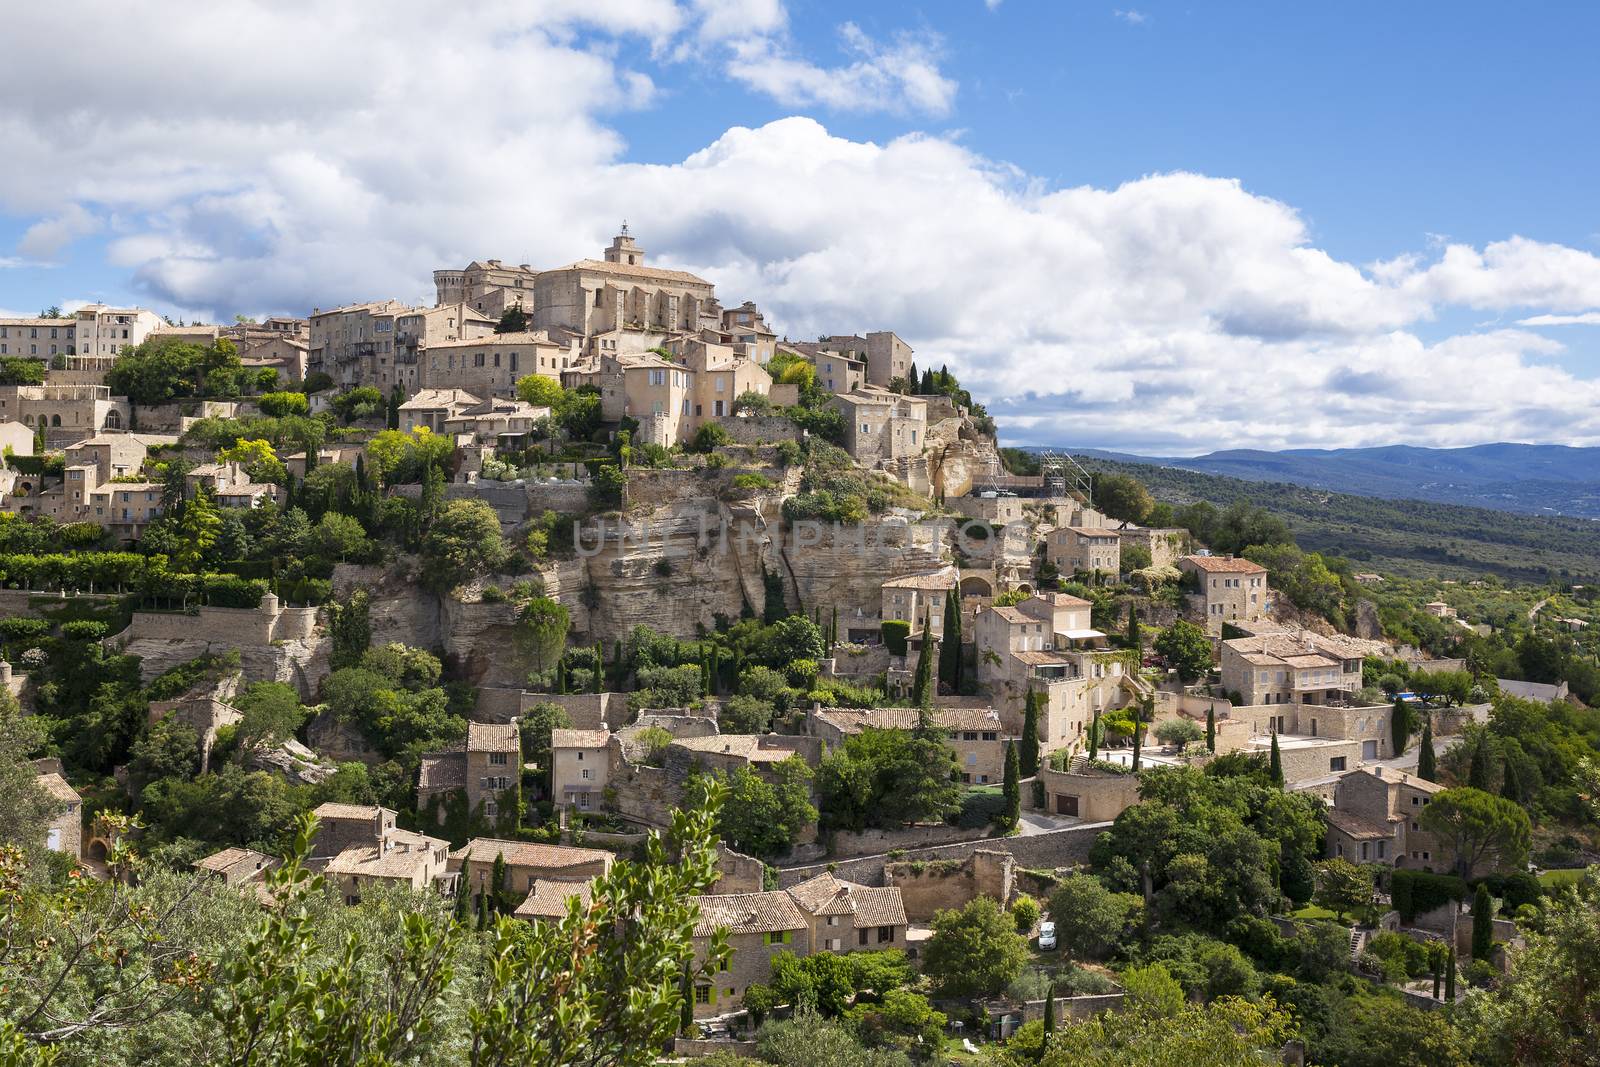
column 624, row 250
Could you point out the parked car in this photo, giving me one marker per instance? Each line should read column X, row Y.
column 1047, row 935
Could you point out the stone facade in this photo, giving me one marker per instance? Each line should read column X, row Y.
column 1084, row 550
column 927, row 888
column 525, row 864
column 881, row 427
column 1280, row 668
column 1376, row 818
column 580, row 766
column 64, row 831
column 1230, row 589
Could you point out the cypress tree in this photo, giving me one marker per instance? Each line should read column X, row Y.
column 1450, row 977
column 1482, row 923
column 1399, row 726
column 1510, row 783
column 616, row 664
column 1211, row 729
column 1050, row 1010
column 561, row 676
column 927, row 386
column 1133, row 628
column 833, row 629
column 483, row 910
column 497, row 875
column 686, row 1012
column 1138, row 744
column 1094, row 736
column 911, row 378
column 1277, row 762
column 922, row 681
column 1011, row 790
column 1478, row 769
column 599, row 667
column 1425, row 755
column 950, row 644
column 463, row 903
column 1029, row 755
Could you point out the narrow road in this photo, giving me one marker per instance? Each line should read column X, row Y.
column 1535, row 609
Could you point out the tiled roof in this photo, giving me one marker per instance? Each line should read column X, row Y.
column 748, row 913
column 1224, row 565
column 442, row 773
column 944, row 578
column 369, row 862
column 1042, row 658
column 600, row 266
column 229, row 858
column 331, row 810
column 1357, row 827
column 436, row 398
column 747, row 746
column 579, row 738
column 538, row 337
column 1091, row 531
column 492, row 737
column 1012, row 615
column 528, row 854
column 1062, row 600
column 866, row 905
column 548, row 898
column 1301, row 649
column 59, row 788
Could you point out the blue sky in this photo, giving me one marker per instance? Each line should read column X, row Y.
column 1131, row 203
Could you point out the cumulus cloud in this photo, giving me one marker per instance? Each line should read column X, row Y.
column 900, row 75
column 1131, row 17
column 1175, row 313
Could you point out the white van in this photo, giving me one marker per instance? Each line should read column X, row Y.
column 1047, row 935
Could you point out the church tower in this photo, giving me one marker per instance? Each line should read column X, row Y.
column 624, row 250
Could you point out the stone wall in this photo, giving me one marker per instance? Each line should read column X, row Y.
column 760, row 429
column 874, row 842
column 644, row 795
column 857, row 661
column 939, row 885
column 588, row 711
column 1054, row 848
column 563, row 498
column 738, row 873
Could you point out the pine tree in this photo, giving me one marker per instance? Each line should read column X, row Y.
column 1138, row 744
column 922, row 686
column 1134, row 638
column 1425, row 755
column 1050, row 1010
column 950, row 643
column 1478, row 769
column 1211, row 729
column 1450, row 977
column 1277, row 762
column 1482, row 923
column 1094, row 736
column 1399, row 726
column 1029, row 755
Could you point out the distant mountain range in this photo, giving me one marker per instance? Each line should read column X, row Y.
column 1528, row 479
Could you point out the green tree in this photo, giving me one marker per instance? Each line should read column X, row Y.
column 1012, row 789
column 512, row 320
column 1478, row 770
column 975, row 951
column 1227, row 1032
column 1152, row 991
column 1091, row 920
column 196, row 532
column 277, row 405
column 950, row 642
column 1211, row 729
column 337, row 537
column 1275, row 762
column 1399, row 726
column 1344, row 888
column 540, row 391
column 271, row 714
column 540, row 634
column 1186, row 648
column 1133, row 638
column 1426, row 758
column 25, row 806
column 462, row 543
column 922, row 684
column 1482, row 923
column 535, row 728
column 1122, row 497
column 1478, row 828
column 762, row 817
column 1029, row 753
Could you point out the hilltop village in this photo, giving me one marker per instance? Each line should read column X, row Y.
column 466, row 609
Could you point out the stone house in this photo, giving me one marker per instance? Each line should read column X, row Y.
column 242, row 868
column 880, row 426
column 1376, row 818
column 1084, row 550
column 1165, row 545
column 837, row 372
column 547, row 899
column 490, row 365
column 974, row 735
column 417, row 330
column 1046, row 643
column 915, row 598
column 489, row 286
column 433, row 408
column 498, row 422
column 66, row 413
column 359, row 845
column 594, row 296
column 729, row 752
column 580, row 767
column 64, row 831
column 487, row 769
column 1088, row 793
column 347, row 343
column 1230, row 589
column 1281, row 668
column 526, row 863
column 822, row 914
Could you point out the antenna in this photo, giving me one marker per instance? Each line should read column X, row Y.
column 624, row 227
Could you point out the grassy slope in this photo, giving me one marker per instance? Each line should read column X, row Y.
column 1413, row 537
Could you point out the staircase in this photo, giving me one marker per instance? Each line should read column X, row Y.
column 1358, row 941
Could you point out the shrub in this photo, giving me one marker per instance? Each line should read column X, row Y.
column 492, row 594
column 1179, row 732
column 896, row 634
column 709, row 437
column 1025, row 910
column 1416, row 892
column 752, row 481
column 84, row 630
column 980, row 809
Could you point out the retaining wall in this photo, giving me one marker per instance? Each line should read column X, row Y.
column 1054, row 848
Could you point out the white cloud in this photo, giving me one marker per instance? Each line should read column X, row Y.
column 45, row 238
column 1177, row 312
column 1132, row 17
column 1588, row 318
column 900, row 76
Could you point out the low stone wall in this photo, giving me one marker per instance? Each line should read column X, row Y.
column 588, row 711
column 927, row 887
column 1055, row 848
column 873, row 842
column 696, row 1047
column 858, row 661
column 235, row 626
column 1076, row 1008
column 563, row 498
column 21, row 602
column 760, row 429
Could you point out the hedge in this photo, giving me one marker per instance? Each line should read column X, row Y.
column 896, row 633
column 1416, row 892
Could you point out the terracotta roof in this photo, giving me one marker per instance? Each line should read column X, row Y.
column 442, row 772
column 1011, row 614
column 529, row 854
column 230, row 858
column 547, row 899
column 331, row 810
column 435, row 398
column 1224, row 565
column 944, row 578
column 1042, row 658
column 866, row 905
column 59, row 788
column 599, row 266
column 748, row 913
column 492, row 737
column 579, row 738
column 1310, row 649
column 369, row 862
column 1091, row 531
column 538, row 337
column 1061, row 600
column 1357, row 827
column 747, row 746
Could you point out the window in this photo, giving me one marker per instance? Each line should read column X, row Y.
column 587, row 774
column 777, row 937
column 1336, row 763
column 861, row 934
column 969, row 735
column 497, row 759
column 885, row 934
column 702, row 993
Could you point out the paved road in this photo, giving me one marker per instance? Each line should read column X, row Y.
column 1038, row 822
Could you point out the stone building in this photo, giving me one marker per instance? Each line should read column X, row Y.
column 1303, row 667
column 64, row 831
column 729, row 752
column 358, row 846
column 974, row 735
column 432, row 408
column 1084, row 550
column 352, row 344
column 1376, row 818
column 822, row 914
column 490, row 365
column 1165, row 545
column 672, row 398
column 914, row 598
column 881, row 426
column 1089, row 793
column 1230, row 589
column 240, row 868
column 91, row 330
column 526, row 864
column 486, row 769
column 417, row 330
column 837, row 372
column 488, row 286
column 548, row 899
column 66, row 413
column 594, row 296
column 580, row 767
